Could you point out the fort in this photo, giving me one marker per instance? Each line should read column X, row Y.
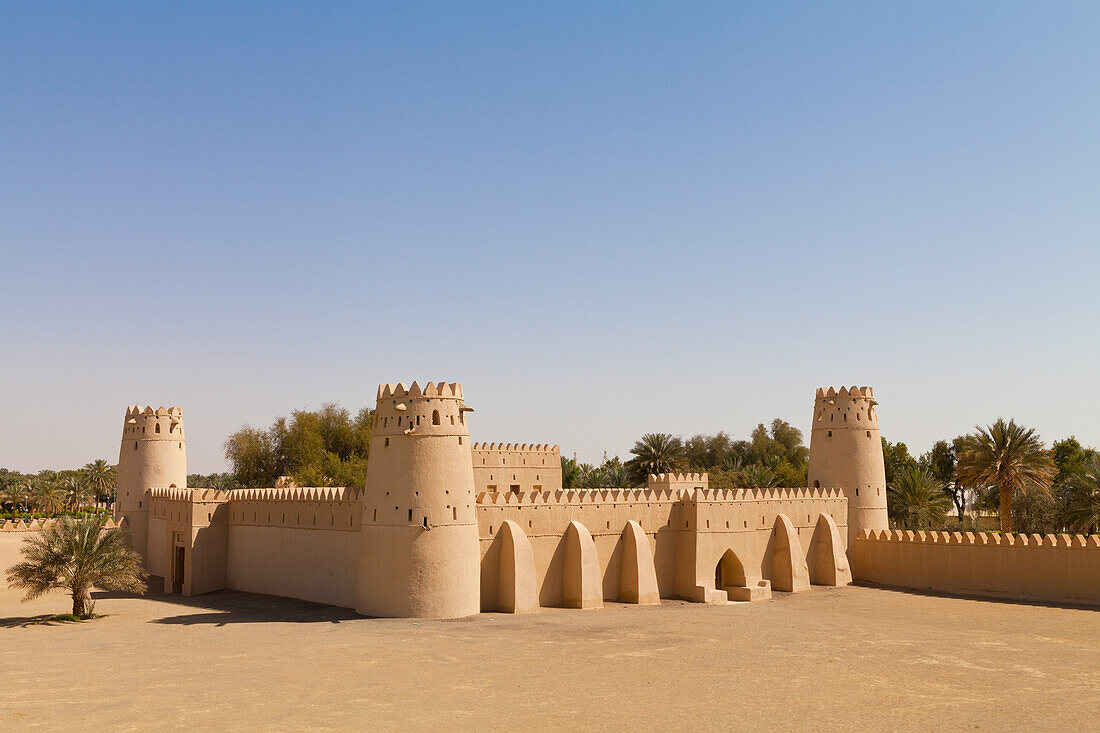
column 448, row 528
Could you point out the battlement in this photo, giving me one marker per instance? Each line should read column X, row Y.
column 981, row 538
column 188, row 494
column 35, row 525
column 1059, row 568
column 851, row 408
column 309, row 493
column 532, row 447
column 430, row 389
column 572, row 497
column 716, row 495
column 162, row 411
column 677, row 478
column 845, row 393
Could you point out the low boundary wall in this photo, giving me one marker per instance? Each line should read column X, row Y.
column 1041, row 568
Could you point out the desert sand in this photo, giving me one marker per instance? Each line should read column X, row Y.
column 829, row 659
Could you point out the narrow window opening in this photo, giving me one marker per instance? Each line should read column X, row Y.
column 454, row 513
column 387, row 442
column 868, row 433
column 418, row 419
column 817, row 484
column 135, row 445
column 156, row 429
column 460, row 440
column 425, row 522
column 857, row 492
column 410, row 515
column 375, row 517
column 435, row 417
column 830, row 433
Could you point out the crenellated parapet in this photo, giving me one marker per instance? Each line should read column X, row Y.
column 36, row 525
column 580, row 497
column 145, row 423
column 516, row 467
column 1059, row 568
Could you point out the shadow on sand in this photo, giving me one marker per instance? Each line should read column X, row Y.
column 234, row 607
column 929, row 593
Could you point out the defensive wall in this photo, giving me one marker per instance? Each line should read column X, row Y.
column 444, row 527
column 516, row 467
column 705, row 545
column 1047, row 568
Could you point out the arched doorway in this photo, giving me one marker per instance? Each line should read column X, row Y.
column 729, row 572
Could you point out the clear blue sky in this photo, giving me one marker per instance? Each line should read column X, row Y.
column 604, row 219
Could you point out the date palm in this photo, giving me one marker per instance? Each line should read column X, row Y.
column 1083, row 511
column 656, row 453
column 48, row 498
column 76, row 556
column 919, row 499
column 1008, row 457
column 101, row 478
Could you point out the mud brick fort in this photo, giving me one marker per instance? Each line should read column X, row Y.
column 447, row 528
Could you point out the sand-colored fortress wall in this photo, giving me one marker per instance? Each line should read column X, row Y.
column 846, row 453
column 1052, row 568
column 297, row 543
column 516, row 467
column 689, row 532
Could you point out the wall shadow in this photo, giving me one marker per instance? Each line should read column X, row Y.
column 234, row 607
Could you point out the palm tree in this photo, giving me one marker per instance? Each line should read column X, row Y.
column 655, row 453
column 76, row 556
column 1083, row 512
column 1007, row 456
column 13, row 496
column 758, row 476
column 77, row 493
column 48, row 499
column 919, row 498
column 615, row 474
column 101, row 478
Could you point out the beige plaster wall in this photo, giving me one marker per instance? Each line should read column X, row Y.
column 1051, row 568
column 516, row 467
column 688, row 533
column 297, row 543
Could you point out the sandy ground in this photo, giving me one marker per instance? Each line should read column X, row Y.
column 828, row 659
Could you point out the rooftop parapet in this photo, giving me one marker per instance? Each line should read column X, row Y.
column 188, row 494
column 430, row 389
column 580, row 496
column 1064, row 541
column 306, row 493
column 717, row 495
column 35, row 525
column 533, row 447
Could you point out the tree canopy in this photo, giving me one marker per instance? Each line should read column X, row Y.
column 327, row 447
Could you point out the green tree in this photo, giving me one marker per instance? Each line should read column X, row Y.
column 897, row 460
column 917, row 499
column 327, row 447
column 655, row 453
column 48, row 498
column 1007, row 457
column 570, row 474
column 76, row 556
column 940, row 461
column 101, row 478
column 1083, row 512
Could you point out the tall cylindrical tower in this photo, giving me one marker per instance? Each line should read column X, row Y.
column 846, row 454
column 419, row 555
column 153, row 455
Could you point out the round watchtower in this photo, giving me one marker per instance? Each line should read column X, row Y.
column 846, row 454
column 153, row 455
column 420, row 556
